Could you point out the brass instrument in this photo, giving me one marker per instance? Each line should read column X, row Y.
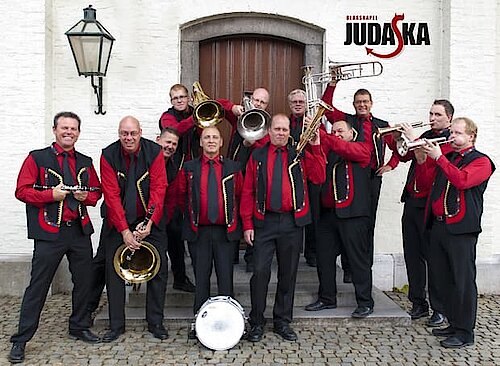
column 140, row 265
column 254, row 123
column 68, row 188
column 403, row 145
column 207, row 112
column 345, row 71
column 381, row 131
column 316, row 108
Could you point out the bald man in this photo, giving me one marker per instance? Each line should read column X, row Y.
column 134, row 170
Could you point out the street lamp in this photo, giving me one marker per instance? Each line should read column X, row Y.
column 91, row 45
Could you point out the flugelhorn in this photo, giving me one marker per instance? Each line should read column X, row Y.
column 404, row 146
column 207, row 112
column 254, row 123
column 345, row 71
column 140, row 265
column 381, row 131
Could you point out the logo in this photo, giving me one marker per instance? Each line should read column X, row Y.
column 398, row 33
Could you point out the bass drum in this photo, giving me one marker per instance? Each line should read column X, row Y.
column 220, row 323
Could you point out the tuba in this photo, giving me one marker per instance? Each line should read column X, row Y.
column 254, row 123
column 207, row 112
column 141, row 265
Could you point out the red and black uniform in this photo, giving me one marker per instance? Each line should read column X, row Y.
column 57, row 230
column 453, row 213
column 280, row 230
column 415, row 238
column 345, row 218
column 369, row 127
column 211, row 242
column 151, row 183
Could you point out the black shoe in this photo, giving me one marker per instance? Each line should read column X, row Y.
column 256, row 333
column 84, row 335
column 186, row 286
column 158, row 331
column 112, row 335
column 444, row 332
column 418, row 311
column 311, row 262
column 362, row 312
column 286, row 332
column 16, row 354
column 319, row 305
column 436, row 320
column 455, row 342
column 347, row 277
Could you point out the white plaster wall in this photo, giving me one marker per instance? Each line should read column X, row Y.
column 145, row 63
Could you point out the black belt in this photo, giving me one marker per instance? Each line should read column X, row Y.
column 68, row 223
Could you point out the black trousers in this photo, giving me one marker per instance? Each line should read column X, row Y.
column 212, row 248
column 353, row 234
column 314, row 192
column 175, row 248
column 98, row 276
column 279, row 234
column 416, row 248
column 376, row 185
column 46, row 258
column 452, row 263
column 155, row 296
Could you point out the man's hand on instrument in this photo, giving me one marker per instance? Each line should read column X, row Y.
column 80, row 195
column 383, row 169
column 409, row 131
column 58, row 193
column 141, row 232
column 249, row 236
column 432, row 149
column 335, row 74
column 248, row 143
column 315, row 139
column 129, row 240
column 237, row 110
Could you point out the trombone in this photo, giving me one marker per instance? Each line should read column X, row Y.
column 345, row 71
column 381, row 131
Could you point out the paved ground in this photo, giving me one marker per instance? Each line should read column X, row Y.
column 335, row 344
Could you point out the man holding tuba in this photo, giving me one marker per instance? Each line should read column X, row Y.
column 133, row 172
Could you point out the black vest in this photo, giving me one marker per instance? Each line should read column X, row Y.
column 465, row 207
column 188, row 145
column 50, row 215
column 297, row 183
column 192, row 170
column 419, row 202
column 148, row 152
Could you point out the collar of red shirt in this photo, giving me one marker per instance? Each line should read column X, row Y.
column 205, row 159
column 125, row 153
column 273, row 148
column 465, row 151
column 60, row 150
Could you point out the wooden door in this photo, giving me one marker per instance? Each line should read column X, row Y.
column 231, row 65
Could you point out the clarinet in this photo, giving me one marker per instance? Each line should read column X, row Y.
column 67, row 188
column 142, row 225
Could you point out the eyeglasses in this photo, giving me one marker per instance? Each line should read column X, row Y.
column 179, row 98
column 298, row 102
column 126, row 133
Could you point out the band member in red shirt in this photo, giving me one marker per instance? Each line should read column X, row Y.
column 134, row 180
column 60, row 225
column 210, row 187
column 274, row 211
column 453, row 214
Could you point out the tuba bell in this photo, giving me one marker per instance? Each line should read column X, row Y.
column 207, row 112
column 140, row 265
column 254, row 123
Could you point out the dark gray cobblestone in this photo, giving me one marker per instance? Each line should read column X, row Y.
column 333, row 344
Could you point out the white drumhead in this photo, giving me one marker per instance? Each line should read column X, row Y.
column 220, row 323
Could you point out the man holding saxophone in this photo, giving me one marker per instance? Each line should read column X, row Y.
column 135, row 180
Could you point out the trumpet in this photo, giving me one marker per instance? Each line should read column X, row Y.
column 345, row 71
column 403, row 146
column 381, row 131
column 140, row 265
column 254, row 123
column 207, row 112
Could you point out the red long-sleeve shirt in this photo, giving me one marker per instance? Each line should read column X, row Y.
column 111, row 190
column 313, row 165
column 28, row 175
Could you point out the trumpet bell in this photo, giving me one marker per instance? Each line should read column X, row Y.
column 137, row 266
column 254, row 124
